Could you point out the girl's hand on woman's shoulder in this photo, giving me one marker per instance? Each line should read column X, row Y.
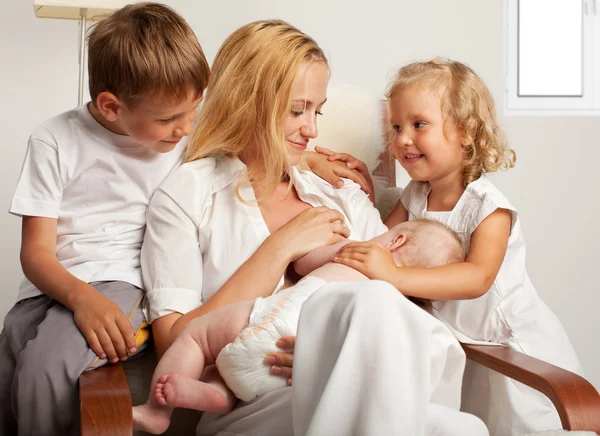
column 282, row 362
column 310, row 229
column 331, row 166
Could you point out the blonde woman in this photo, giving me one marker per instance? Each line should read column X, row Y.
column 224, row 227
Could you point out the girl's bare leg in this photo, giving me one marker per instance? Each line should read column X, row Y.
column 176, row 380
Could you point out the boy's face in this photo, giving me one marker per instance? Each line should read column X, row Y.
column 426, row 144
column 157, row 123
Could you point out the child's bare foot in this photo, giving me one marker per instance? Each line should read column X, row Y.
column 177, row 390
column 150, row 418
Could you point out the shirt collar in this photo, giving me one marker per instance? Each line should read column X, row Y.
column 306, row 183
column 227, row 170
column 230, row 169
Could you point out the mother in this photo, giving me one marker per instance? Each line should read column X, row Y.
column 225, row 226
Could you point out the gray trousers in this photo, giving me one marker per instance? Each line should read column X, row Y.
column 42, row 355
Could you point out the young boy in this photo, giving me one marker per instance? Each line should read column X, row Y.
column 237, row 337
column 84, row 188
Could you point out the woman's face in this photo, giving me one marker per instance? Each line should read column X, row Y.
column 309, row 94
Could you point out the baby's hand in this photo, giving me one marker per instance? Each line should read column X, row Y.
column 281, row 363
column 368, row 258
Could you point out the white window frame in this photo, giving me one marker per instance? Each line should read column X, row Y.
column 589, row 103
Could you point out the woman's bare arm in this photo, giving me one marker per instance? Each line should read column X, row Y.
column 260, row 274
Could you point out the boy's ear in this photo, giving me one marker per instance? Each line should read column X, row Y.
column 398, row 242
column 108, row 105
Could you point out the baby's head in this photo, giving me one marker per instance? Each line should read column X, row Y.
column 423, row 243
column 147, row 74
column 467, row 112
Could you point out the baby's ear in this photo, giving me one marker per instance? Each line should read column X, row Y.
column 398, row 242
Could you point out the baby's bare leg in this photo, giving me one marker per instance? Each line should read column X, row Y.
column 176, row 378
column 212, row 377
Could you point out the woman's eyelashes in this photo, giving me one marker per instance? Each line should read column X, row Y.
column 298, row 113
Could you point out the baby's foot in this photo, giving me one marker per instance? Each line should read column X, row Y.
column 152, row 419
column 177, row 390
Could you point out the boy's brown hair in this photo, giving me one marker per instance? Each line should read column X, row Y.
column 145, row 49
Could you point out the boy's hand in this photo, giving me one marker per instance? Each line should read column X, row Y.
column 282, row 363
column 330, row 166
column 104, row 325
column 370, row 259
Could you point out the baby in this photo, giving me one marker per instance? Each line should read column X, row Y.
column 236, row 337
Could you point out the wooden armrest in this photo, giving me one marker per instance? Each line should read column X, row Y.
column 105, row 399
column 105, row 402
column 575, row 399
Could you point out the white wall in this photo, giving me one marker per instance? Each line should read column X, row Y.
column 38, row 77
column 551, row 184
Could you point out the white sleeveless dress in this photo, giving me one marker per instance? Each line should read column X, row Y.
column 510, row 313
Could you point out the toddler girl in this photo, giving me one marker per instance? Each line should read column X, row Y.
column 446, row 136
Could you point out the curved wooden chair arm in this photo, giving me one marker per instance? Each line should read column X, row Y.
column 575, row 399
column 105, row 402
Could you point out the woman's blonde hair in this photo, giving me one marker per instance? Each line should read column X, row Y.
column 468, row 103
column 249, row 97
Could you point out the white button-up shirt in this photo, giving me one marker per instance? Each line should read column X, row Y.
column 199, row 233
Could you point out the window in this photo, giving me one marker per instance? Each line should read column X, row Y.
column 552, row 57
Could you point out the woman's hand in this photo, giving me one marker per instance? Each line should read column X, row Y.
column 331, row 166
column 282, row 362
column 310, row 229
column 346, row 166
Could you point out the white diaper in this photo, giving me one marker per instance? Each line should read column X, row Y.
column 242, row 362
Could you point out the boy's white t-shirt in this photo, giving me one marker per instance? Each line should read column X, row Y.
column 97, row 184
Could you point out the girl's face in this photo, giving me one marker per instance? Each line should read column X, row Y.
column 309, row 94
column 427, row 146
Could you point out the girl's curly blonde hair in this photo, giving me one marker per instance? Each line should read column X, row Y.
column 468, row 103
